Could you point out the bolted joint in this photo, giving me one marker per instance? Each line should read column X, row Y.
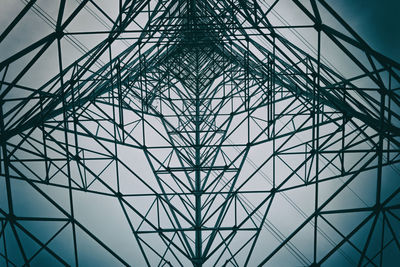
column 197, row 261
column 318, row 26
column 197, row 227
column 314, row 74
column 197, row 193
column 11, row 218
column 378, row 208
column 59, row 33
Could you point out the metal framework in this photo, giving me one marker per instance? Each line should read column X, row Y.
column 177, row 133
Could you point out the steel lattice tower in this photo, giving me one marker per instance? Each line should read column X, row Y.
column 204, row 133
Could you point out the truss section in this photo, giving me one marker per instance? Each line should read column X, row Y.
column 204, row 133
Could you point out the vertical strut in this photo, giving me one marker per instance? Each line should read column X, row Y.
column 197, row 169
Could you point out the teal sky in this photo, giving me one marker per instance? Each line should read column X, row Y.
column 377, row 21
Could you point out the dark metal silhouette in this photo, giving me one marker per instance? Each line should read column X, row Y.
column 225, row 135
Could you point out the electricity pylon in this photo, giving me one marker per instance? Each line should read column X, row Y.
column 196, row 133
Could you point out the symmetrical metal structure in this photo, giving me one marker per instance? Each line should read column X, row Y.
column 204, row 133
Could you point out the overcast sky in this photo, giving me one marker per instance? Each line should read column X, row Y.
column 377, row 21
